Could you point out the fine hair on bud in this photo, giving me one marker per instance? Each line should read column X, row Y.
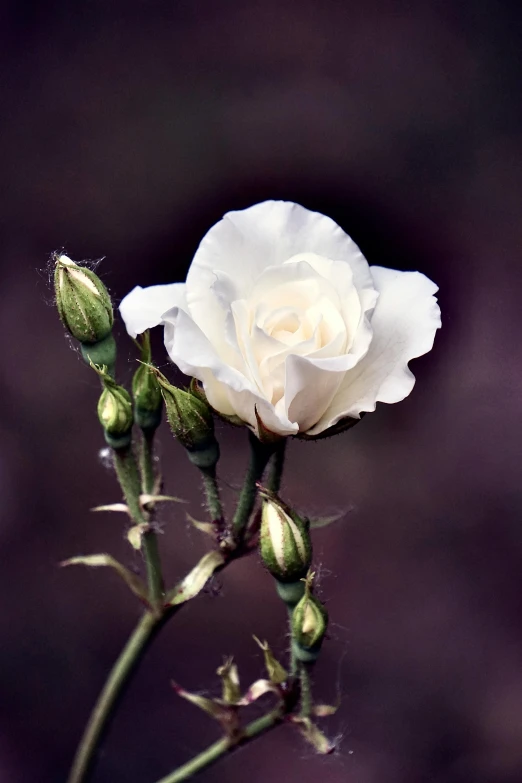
column 309, row 624
column 191, row 422
column 82, row 300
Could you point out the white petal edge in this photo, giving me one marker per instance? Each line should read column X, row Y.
column 404, row 324
column 142, row 308
column 243, row 243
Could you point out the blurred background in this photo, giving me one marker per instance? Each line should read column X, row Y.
column 127, row 130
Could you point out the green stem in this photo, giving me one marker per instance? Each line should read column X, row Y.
column 130, row 482
column 260, row 453
column 150, row 552
column 148, row 477
column 306, row 690
column 104, row 707
column 213, row 500
column 276, row 467
column 224, row 746
column 293, row 656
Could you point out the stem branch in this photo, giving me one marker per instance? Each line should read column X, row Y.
column 260, row 453
column 276, row 467
column 213, row 499
column 224, row 746
column 148, row 477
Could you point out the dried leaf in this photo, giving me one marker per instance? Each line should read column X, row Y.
column 95, row 561
column 196, row 579
column 112, row 507
column 205, row 527
column 230, row 678
column 324, row 710
column 211, row 706
column 276, row 673
column 256, row 690
column 325, row 521
column 135, row 534
column 313, row 735
column 146, row 500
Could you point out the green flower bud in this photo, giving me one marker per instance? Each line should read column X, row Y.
column 146, row 391
column 309, row 623
column 82, row 300
column 191, row 423
column 285, row 545
column 115, row 411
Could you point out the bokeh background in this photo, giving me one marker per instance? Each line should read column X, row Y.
column 127, row 130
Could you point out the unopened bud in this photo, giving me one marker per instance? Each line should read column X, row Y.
column 309, row 623
column 285, row 544
column 115, row 411
column 82, row 300
column 191, row 423
column 146, row 391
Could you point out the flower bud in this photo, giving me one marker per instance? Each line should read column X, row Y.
column 115, row 411
column 285, row 545
column 82, row 300
column 309, row 623
column 191, row 423
column 146, row 391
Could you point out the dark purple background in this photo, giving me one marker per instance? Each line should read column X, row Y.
column 128, row 129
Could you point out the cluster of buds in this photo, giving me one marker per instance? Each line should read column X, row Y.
column 286, row 551
column 85, row 307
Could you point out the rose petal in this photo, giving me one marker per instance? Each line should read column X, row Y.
column 142, row 308
column 404, row 323
column 244, row 243
column 228, row 390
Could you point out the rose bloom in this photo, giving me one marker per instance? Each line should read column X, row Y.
column 283, row 321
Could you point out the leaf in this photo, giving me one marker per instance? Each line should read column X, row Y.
column 276, row 673
column 211, row 706
column 133, row 582
column 230, row 679
column 146, row 500
column 196, row 579
column 112, row 507
column 135, row 534
column 256, row 690
column 205, row 527
column 313, row 735
column 324, row 710
column 325, row 521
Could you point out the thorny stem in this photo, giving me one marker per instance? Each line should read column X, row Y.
column 306, row 690
column 130, row 482
column 148, row 477
column 213, row 499
column 277, row 464
column 260, row 453
column 293, row 656
column 129, row 478
column 224, row 746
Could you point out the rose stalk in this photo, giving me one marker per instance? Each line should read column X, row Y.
column 285, row 329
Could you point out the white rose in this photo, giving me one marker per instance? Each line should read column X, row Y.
column 282, row 315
